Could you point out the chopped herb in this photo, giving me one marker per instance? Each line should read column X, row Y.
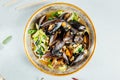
column 50, row 66
column 50, row 18
column 57, row 13
column 7, row 39
column 75, row 16
column 31, row 31
column 37, row 42
column 80, row 49
column 44, row 36
column 50, row 60
column 40, row 51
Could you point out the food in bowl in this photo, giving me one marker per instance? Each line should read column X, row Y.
column 60, row 41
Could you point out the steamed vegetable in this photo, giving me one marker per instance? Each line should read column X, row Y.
column 78, row 49
column 41, row 42
column 31, row 31
column 74, row 16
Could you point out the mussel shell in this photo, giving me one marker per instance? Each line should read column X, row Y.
column 65, row 16
column 67, row 36
column 58, row 54
column 53, row 39
column 56, row 27
column 66, row 58
column 41, row 20
column 78, row 39
column 79, row 58
column 54, row 21
column 86, row 40
column 58, row 46
column 77, row 25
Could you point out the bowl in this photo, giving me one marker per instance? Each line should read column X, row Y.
column 66, row 7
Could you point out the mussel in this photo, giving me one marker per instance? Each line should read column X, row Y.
column 77, row 25
column 78, row 39
column 47, row 55
column 79, row 58
column 86, row 40
column 54, row 21
column 42, row 19
column 65, row 16
column 58, row 54
column 53, row 39
column 58, row 46
column 67, row 36
column 56, row 27
column 66, row 58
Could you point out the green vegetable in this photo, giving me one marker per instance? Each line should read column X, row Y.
column 50, row 18
column 7, row 39
column 74, row 16
column 50, row 66
column 41, row 42
column 78, row 49
column 57, row 13
column 49, row 60
column 37, row 42
column 63, row 68
column 39, row 51
column 31, row 31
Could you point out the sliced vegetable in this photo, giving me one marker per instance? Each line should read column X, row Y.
column 31, row 31
column 50, row 18
column 7, row 39
column 39, row 51
column 43, row 62
column 50, row 66
column 57, row 13
column 78, row 49
column 74, row 16
column 41, row 42
column 37, row 26
column 63, row 68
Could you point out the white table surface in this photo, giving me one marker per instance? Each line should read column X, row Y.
column 105, row 63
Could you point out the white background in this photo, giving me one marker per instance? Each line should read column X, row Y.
column 105, row 63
